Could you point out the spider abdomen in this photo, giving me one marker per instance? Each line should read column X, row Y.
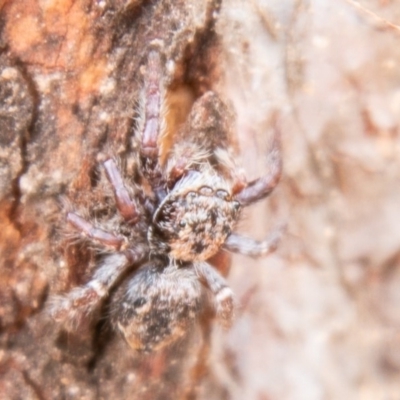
column 157, row 305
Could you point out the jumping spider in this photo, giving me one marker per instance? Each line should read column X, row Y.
column 158, row 241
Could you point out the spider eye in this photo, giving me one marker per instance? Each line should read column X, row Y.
column 206, row 191
column 222, row 194
column 236, row 205
column 182, row 223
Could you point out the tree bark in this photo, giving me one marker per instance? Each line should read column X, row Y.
column 318, row 319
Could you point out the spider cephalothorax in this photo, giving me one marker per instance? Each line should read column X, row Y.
column 196, row 217
column 155, row 246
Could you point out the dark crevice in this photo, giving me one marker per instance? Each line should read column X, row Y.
column 25, row 138
column 102, row 336
column 123, row 21
column 201, row 63
column 35, row 387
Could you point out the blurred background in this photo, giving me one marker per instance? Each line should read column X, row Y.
column 320, row 318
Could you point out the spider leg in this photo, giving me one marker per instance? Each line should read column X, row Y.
column 152, row 126
column 223, row 295
column 205, row 138
column 262, row 187
column 253, row 248
column 104, row 237
column 125, row 205
column 81, row 302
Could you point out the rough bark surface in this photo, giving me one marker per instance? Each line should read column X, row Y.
column 319, row 319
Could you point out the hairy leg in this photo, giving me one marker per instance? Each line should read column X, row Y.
column 100, row 235
column 81, row 302
column 125, row 205
column 253, row 248
column 223, row 295
column 205, row 138
column 152, row 119
column 262, row 187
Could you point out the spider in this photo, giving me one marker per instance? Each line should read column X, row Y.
column 157, row 242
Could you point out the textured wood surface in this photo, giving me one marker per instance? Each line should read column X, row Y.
column 319, row 319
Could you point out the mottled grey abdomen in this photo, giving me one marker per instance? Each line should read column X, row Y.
column 157, row 304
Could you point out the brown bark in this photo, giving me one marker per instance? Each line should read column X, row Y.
column 319, row 319
column 70, row 82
